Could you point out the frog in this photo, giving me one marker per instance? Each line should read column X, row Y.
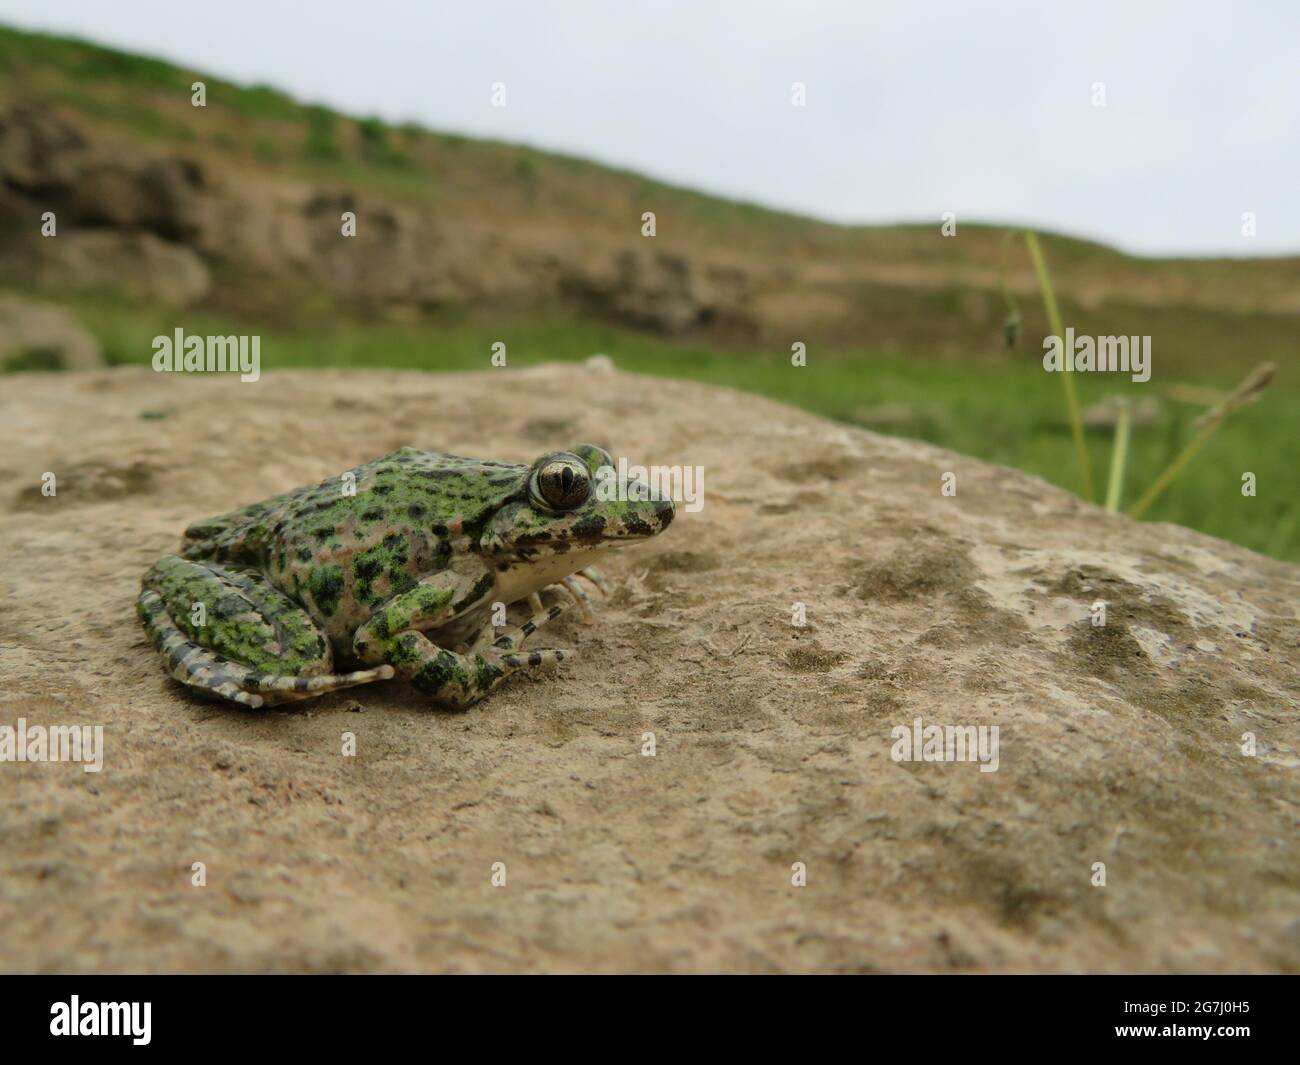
column 404, row 566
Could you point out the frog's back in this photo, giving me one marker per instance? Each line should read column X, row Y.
column 347, row 544
column 443, row 486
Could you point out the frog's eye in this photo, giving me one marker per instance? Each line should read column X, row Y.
column 561, row 482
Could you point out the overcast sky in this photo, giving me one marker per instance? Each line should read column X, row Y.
column 912, row 109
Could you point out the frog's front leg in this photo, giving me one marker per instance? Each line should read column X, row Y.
column 512, row 637
column 394, row 636
column 576, row 592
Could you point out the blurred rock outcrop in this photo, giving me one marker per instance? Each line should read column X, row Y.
column 159, row 226
column 38, row 336
column 77, row 215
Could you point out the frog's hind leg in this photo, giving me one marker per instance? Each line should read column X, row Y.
column 212, row 674
column 193, row 665
column 248, row 643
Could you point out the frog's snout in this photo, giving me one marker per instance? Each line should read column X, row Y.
column 656, row 508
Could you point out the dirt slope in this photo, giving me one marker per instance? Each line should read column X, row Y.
column 1119, row 744
column 206, row 221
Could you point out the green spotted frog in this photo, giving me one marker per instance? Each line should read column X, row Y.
column 400, row 567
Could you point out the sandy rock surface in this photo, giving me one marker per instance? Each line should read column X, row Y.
column 1119, row 744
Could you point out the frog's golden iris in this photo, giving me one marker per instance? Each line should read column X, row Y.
column 560, row 481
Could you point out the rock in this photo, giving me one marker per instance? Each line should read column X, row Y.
column 121, row 217
column 38, row 150
column 1120, row 744
column 666, row 293
column 40, row 336
column 139, row 263
column 154, row 222
column 163, row 196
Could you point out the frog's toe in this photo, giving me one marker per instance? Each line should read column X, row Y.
column 283, row 689
column 581, row 598
column 552, row 656
column 514, row 637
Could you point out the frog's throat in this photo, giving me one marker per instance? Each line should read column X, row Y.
column 522, row 577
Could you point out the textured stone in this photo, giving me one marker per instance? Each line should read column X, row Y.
column 1119, row 744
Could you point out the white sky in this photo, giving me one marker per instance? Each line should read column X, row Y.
column 912, row 108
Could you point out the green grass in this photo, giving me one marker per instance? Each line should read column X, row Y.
column 1009, row 412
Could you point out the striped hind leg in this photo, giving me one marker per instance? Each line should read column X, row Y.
column 249, row 643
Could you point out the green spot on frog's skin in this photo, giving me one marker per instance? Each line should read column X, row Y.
column 435, row 675
column 485, row 674
column 326, row 587
column 426, row 603
column 431, row 600
column 400, row 581
column 404, row 652
column 366, row 567
column 389, row 557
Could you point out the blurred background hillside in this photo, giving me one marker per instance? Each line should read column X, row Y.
column 226, row 219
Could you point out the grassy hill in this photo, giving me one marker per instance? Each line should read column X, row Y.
column 263, row 128
column 904, row 327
